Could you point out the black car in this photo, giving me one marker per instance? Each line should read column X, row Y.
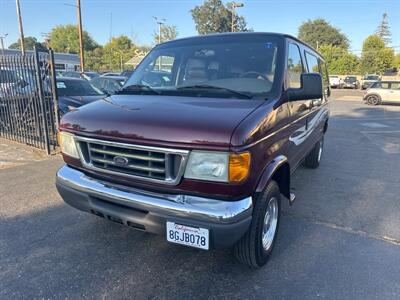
column 351, row 82
column 109, row 84
column 75, row 74
column 75, row 92
column 127, row 73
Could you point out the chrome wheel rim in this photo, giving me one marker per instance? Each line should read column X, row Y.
column 270, row 223
column 372, row 99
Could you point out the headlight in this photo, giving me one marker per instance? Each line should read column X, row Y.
column 218, row 166
column 67, row 144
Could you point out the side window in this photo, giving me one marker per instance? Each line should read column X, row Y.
column 294, row 66
column 312, row 63
column 395, row 86
column 164, row 63
column 385, row 85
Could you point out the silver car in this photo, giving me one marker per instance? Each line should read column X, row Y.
column 383, row 91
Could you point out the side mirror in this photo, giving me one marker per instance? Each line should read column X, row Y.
column 311, row 88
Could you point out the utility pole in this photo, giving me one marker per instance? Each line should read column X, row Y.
column 111, row 54
column 2, row 43
column 234, row 6
column 160, row 22
column 81, row 49
column 21, row 29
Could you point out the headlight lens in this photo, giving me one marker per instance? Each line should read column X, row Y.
column 67, row 144
column 218, row 166
column 205, row 165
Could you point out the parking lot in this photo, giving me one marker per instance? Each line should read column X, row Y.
column 341, row 238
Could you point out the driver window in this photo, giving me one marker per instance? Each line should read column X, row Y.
column 294, row 66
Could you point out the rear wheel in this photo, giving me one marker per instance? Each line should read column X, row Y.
column 255, row 247
column 373, row 100
column 313, row 159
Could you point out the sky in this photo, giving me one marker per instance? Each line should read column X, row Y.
column 355, row 18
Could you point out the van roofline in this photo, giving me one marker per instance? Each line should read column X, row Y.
column 284, row 35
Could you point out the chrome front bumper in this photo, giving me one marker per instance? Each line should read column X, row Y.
column 226, row 220
column 198, row 208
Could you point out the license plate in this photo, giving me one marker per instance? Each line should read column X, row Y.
column 188, row 236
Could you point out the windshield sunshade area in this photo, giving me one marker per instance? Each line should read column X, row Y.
column 219, row 69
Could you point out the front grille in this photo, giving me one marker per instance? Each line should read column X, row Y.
column 147, row 163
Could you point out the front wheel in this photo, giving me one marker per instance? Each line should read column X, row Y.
column 255, row 247
column 373, row 100
column 313, row 159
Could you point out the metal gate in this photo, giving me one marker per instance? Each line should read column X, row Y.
column 28, row 99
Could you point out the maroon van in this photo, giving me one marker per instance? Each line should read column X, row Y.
column 200, row 143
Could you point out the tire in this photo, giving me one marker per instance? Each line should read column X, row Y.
column 251, row 250
column 373, row 100
column 313, row 159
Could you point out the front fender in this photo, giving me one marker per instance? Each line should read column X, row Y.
column 270, row 170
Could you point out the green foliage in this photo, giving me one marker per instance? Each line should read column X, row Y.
column 375, row 57
column 119, row 48
column 213, row 16
column 168, row 33
column 383, row 30
column 65, row 38
column 397, row 61
column 30, row 43
column 339, row 60
column 320, row 32
column 94, row 60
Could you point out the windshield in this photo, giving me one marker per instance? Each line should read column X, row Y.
column 371, row 78
column 76, row 88
column 218, row 69
column 350, row 79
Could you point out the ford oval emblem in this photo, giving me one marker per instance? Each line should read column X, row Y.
column 120, row 161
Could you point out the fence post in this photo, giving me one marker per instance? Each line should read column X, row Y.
column 42, row 100
column 54, row 88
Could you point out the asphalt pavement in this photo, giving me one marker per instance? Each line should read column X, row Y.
column 340, row 240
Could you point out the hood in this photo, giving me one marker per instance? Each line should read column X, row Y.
column 80, row 100
column 184, row 120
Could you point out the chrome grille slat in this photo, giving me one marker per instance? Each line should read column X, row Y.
column 138, row 167
column 134, row 156
column 147, row 163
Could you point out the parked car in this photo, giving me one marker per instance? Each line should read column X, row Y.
column 89, row 75
column 109, row 84
column 383, row 91
column 75, row 74
column 350, row 82
column 368, row 80
column 126, row 73
column 201, row 154
column 335, row 81
column 75, row 92
column 110, row 74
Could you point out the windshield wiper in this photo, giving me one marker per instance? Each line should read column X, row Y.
column 136, row 88
column 213, row 87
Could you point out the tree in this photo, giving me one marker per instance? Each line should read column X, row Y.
column 65, row 38
column 376, row 58
column 397, row 61
column 117, row 51
column 339, row 60
column 30, row 42
column 95, row 60
column 319, row 32
column 213, row 16
column 168, row 33
column 383, row 30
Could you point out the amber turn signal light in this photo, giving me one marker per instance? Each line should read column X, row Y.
column 239, row 166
